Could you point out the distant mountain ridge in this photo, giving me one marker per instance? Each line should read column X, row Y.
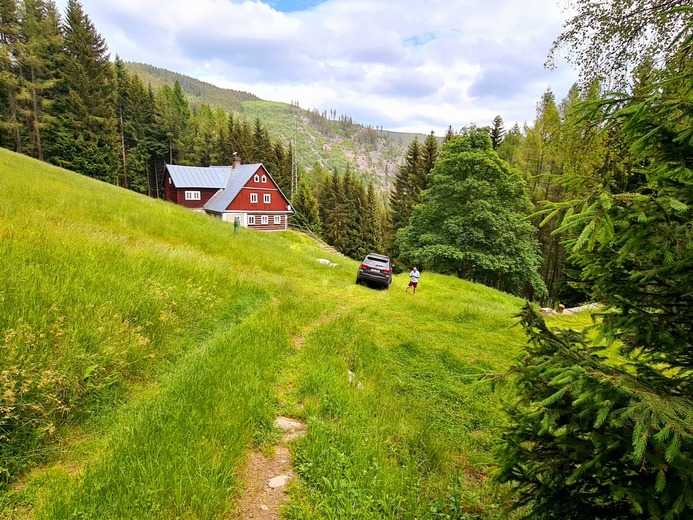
column 333, row 144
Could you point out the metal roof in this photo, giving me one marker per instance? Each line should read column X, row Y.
column 226, row 179
column 198, row 177
column 238, row 178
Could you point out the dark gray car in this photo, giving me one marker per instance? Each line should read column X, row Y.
column 376, row 270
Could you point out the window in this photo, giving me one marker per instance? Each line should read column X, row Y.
column 192, row 195
column 264, row 178
column 251, row 220
column 267, row 198
column 265, row 220
column 253, row 198
column 256, row 178
column 277, row 219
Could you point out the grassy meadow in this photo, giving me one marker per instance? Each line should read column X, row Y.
column 145, row 349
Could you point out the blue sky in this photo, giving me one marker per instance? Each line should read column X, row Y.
column 408, row 65
column 292, row 6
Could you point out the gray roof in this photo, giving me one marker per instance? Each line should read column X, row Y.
column 198, row 177
column 238, row 178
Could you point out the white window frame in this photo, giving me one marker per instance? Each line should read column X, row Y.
column 251, row 220
column 253, row 198
column 267, row 198
column 277, row 219
column 265, row 220
column 192, row 195
column 264, row 179
column 256, row 178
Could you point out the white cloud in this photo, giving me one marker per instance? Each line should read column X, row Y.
column 403, row 64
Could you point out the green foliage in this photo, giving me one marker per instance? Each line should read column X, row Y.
column 590, row 440
column 613, row 439
column 497, row 132
column 306, row 207
column 607, row 39
column 352, row 216
column 472, row 221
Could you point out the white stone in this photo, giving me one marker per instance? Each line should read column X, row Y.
column 263, row 507
column 278, row 482
column 285, row 423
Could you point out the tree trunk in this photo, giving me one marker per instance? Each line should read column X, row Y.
column 35, row 117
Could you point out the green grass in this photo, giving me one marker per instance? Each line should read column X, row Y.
column 147, row 348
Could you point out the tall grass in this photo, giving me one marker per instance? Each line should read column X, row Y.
column 145, row 349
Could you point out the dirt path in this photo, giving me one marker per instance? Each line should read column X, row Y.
column 266, row 477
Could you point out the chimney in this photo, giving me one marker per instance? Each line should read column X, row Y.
column 236, row 161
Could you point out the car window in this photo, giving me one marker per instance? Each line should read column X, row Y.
column 370, row 259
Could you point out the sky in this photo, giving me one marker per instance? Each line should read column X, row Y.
column 405, row 65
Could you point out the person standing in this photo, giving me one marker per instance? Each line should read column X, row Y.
column 414, row 276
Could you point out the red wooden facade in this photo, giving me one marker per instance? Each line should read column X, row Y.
column 177, row 196
column 252, row 197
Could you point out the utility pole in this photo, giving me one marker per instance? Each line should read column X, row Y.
column 294, row 168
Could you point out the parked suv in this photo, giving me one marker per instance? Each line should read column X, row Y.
column 375, row 269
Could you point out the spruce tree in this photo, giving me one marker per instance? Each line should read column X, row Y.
column 10, row 75
column 408, row 183
column 307, row 209
column 40, row 57
column 612, row 437
column 372, row 222
column 173, row 118
column 335, row 214
column 83, row 137
column 497, row 132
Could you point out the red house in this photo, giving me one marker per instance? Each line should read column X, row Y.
column 243, row 192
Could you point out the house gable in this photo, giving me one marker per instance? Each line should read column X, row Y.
column 245, row 181
column 260, row 194
column 246, row 192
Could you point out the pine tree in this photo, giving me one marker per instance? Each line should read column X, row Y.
column 143, row 144
column 429, row 157
column 84, row 135
column 334, row 212
column 122, row 80
column 10, row 75
column 40, row 57
column 307, row 209
column 592, row 437
column 173, row 118
column 497, row 132
column 372, row 222
column 354, row 202
column 408, row 184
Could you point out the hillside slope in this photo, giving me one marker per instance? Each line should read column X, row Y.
column 148, row 348
column 332, row 144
